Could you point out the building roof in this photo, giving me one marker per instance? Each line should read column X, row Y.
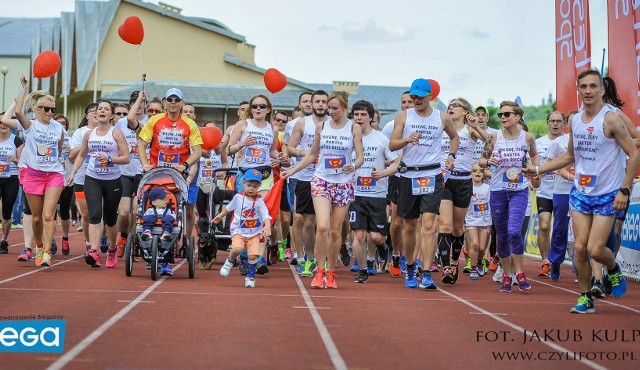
column 17, row 34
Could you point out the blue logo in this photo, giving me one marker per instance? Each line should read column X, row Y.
column 32, row 336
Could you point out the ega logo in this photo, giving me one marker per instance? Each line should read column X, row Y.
column 32, row 336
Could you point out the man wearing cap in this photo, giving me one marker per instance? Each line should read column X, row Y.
column 418, row 132
column 175, row 139
column 132, row 171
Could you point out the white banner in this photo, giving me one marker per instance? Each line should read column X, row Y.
column 629, row 255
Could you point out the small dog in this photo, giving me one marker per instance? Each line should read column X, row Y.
column 207, row 246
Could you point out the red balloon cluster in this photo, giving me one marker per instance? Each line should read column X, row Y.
column 46, row 64
column 274, row 80
column 211, row 137
column 435, row 88
column 132, row 30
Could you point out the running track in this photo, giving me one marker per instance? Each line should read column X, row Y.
column 210, row 322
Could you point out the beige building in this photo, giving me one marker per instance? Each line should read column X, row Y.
column 96, row 62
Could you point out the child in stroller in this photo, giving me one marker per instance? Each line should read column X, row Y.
column 158, row 211
column 251, row 223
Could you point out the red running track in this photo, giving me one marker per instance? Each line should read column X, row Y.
column 211, row 322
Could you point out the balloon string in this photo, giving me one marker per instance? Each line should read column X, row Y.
column 144, row 75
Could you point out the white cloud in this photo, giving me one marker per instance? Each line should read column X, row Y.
column 373, row 31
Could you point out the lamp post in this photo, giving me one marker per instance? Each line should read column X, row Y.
column 4, row 70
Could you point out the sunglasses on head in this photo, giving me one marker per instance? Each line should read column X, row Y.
column 48, row 109
column 174, row 100
column 505, row 114
column 261, row 106
column 153, row 111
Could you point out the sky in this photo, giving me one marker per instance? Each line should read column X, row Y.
column 482, row 50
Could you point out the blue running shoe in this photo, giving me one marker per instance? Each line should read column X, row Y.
column 371, row 268
column 104, row 244
column 426, row 282
column 166, row 270
column 585, row 305
column 618, row 283
column 300, row 267
column 410, row 280
column 355, row 267
column 403, row 264
column 243, row 267
column 555, row 271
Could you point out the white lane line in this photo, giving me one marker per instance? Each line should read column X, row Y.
column 554, row 346
column 317, row 308
column 329, row 344
column 38, row 269
column 87, row 341
column 595, row 300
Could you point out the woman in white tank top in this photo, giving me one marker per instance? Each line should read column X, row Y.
column 332, row 183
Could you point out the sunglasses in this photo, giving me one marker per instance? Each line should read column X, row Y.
column 120, row 113
column 480, row 170
column 281, row 120
column 505, row 114
column 48, row 109
column 153, row 111
column 261, row 106
column 174, row 100
column 455, row 105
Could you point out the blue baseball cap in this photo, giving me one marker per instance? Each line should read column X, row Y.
column 253, row 175
column 157, row 193
column 420, row 87
column 174, row 91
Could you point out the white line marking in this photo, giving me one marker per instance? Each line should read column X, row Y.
column 595, row 300
column 38, row 269
column 332, row 349
column 491, row 313
column 124, row 301
column 87, row 341
column 317, row 308
column 556, row 347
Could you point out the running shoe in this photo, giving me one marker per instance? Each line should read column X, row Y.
column 66, row 247
column 362, row 277
column 545, row 269
column 249, row 282
column 467, row 267
column 514, row 279
column 226, row 268
column 495, row 262
column 54, row 247
column 523, row 284
column 288, row 254
column 331, row 280
column 597, row 289
column 554, row 274
column 93, row 259
column 403, row 264
column 122, row 242
column 394, row 266
column 46, row 259
column 345, row 259
column 426, row 282
column 506, row 284
column 243, row 266
column 355, row 267
column 4, row 247
column 618, row 283
column 166, row 270
column 607, row 285
column 112, row 259
column 371, row 269
column 274, row 254
column 79, row 227
column 497, row 276
column 39, row 254
column 584, row 305
column 481, row 270
column 281, row 253
column 447, row 275
column 434, row 266
column 318, row 279
column 104, row 244
column 26, row 255
column 454, row 272
column 261, row 267
column 473, row 275
column 410, row 280
column 293, row 261
column 308, row 268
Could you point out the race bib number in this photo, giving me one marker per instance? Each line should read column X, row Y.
column 133, row 152
column 586, row 183
column 334, row 165
column 512, row 179
column 481, row 209
column 102, row 168
column 423, row 185
column 46, row 154
column 168, row 159
column 256, row 155
column 365, row 184
column 5, row 170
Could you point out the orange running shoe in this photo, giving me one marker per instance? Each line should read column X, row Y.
column 331, row 280
column 493, row 266
column 318, row 279
column 121, row 243
column 39, row 254
column 545, row 269
column 394, row 267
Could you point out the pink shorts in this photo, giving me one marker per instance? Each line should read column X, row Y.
column 36, row 182
column 340, row 194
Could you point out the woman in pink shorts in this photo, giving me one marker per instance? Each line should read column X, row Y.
column 332, row 183
column 43, row 179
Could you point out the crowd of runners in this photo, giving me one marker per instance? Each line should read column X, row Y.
column 413, row 197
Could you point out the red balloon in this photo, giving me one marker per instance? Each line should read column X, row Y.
column 274, row 80
column 132, row 30
column 435, row 89
column 211, row 137
column 46, row 64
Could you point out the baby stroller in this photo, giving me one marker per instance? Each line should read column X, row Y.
column 212, row 238
column 157, row 250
